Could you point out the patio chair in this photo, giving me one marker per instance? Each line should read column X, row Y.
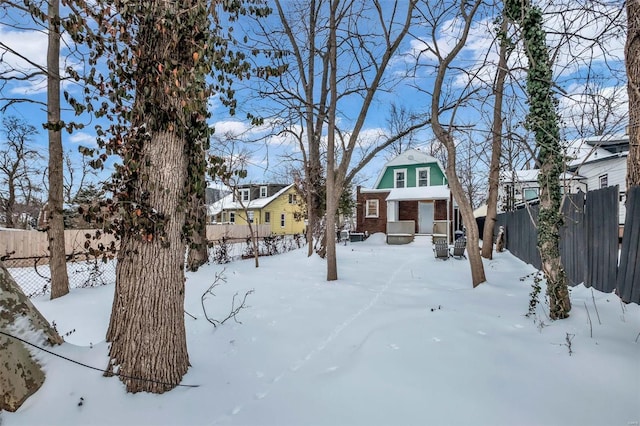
column 458, row 248
column 441, row 249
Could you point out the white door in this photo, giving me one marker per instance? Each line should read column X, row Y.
column 425, row 218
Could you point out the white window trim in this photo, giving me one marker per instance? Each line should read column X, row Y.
column 395, row 178
column 368, row 213
column 263, row 192
column 232, row 217
column 422, row 169
column 605, row 176
column 283, row 218
column 267, row 217
column 244, row 191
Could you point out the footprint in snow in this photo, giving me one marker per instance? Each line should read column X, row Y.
column 435, row 339
column 260, row 395
column 518, row 326
column 482, row 333
column 236, row 410
column 259, row 374
column 394, row 347
column 331, row 369
column 276, row 379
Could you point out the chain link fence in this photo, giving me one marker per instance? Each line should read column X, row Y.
column 34, row 277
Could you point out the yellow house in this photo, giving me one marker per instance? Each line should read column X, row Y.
column 279, row 206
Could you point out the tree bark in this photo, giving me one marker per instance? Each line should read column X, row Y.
column 632, row 55
column 543, row 121
column 55, row 229
column 466, row 210
column 147, row 328
column 496, row 149
column 198, row 250
column 444, row 136
column 20, row 375
column 332, row 265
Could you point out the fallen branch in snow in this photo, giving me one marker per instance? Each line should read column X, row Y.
column 589, row 318
column 594, row 305
column 218, row 280
column 568, row 338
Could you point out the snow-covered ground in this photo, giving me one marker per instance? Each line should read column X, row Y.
column 400, row 339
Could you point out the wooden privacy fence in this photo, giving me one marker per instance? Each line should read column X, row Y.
column 588, row 240
column 236, row 232
column 29, row 245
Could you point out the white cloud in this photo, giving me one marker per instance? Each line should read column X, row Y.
column 83, row 138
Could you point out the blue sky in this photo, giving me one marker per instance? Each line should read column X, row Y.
column 479, row 55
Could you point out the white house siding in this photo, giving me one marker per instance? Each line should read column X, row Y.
column 616, row 170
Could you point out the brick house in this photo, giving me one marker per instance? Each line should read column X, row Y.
column 411, row 194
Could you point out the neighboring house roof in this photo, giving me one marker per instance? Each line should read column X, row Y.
column 228, row 202
column 586, row 150
column 440, row 192
column 411, row 156
column 509, row 176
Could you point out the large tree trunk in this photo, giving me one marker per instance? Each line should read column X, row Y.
column 198, row 249
column 20, row 375
column 332, row 205
column 147, row 328
column 466, row 210
column 543, row 121
column 496, row 150
column 55, row 230
column 632, row 54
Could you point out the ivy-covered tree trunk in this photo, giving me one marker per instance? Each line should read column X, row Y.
column 20, row 375
column 543, row 121
column 55, row 230
column 198, row 250
column 147, row 330
column 632, row 55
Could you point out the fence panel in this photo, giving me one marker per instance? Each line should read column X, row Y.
column 236, row 232
column 601, row 226
column 18, row 244
column 520, row 234
column 628, row 279
column 573, row 239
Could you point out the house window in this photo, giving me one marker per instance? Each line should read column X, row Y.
column 423, row 177
column 293, row 199
column 371, row 208
column 400, row 178
column 282, row 220
column 250, row 215
column 267, row 217
column 232, row 217
column 604, row 181
column 244, row 194
column 263, row 192
column 530, row 194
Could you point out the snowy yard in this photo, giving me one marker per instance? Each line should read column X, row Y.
column 400, row 339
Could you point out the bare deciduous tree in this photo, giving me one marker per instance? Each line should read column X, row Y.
column 18, row 170
column 308, row 87
column 444, row 105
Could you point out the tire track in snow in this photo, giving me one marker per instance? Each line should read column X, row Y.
column 294, row 367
